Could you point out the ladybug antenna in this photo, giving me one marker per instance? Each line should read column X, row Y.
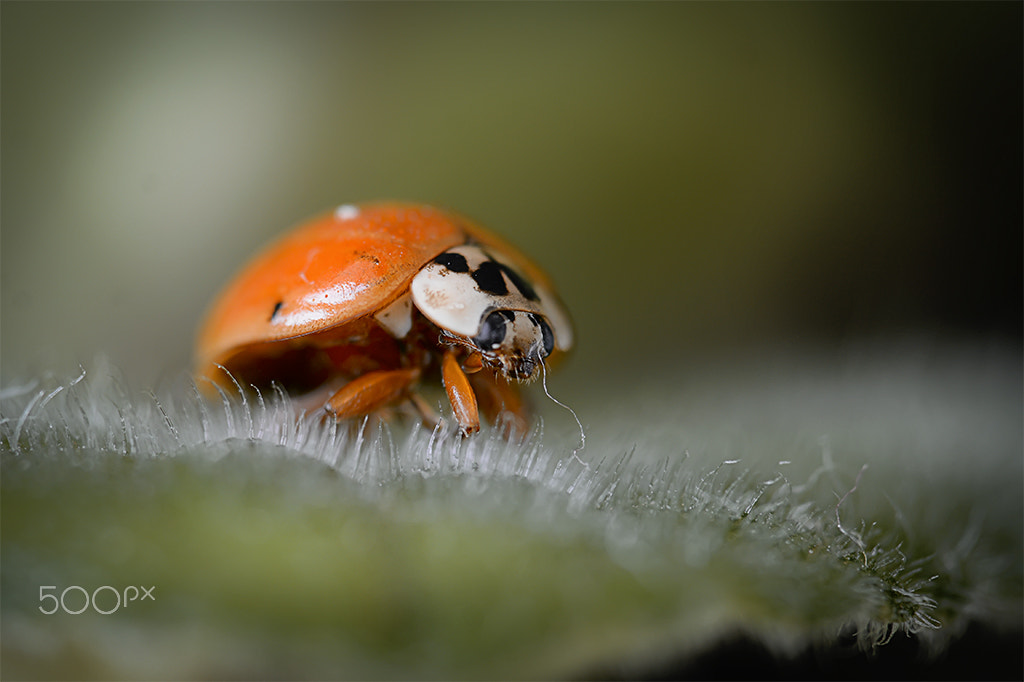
column 583, row 435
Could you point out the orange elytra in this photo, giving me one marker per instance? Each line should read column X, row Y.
column 357, row 308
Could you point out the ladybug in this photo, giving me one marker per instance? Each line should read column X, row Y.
column 356, row 309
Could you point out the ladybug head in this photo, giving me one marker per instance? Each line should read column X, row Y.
column 514, row 342
column 479, row 300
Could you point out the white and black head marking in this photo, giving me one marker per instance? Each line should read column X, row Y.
column 483, row 302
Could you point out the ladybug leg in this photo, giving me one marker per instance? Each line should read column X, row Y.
column 427, row 413
column 460, row 395
column 501, row 402
column 370, row 392
column 473, row 363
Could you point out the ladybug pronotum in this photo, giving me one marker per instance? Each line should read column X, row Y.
column 354, row 309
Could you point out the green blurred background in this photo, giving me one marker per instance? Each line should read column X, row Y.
column 695, row 176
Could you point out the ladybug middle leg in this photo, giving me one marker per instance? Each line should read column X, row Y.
column 501, row 403
column 370, row 392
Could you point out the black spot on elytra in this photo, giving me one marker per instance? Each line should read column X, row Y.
column 524, row 287
column 277, row 309
column 455, row 262
column 488, row 278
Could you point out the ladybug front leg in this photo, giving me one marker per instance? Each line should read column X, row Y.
column 370, row 392
column 460, row 394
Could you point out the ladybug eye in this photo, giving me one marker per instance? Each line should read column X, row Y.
column 492, row 331
column 546, row 335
